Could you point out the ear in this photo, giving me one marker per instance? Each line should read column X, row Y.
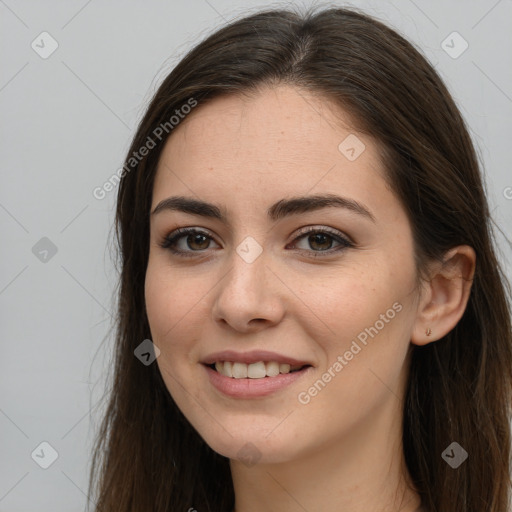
column 445, row 295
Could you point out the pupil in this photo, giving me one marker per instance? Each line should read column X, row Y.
column 320, row 237
column 195, row 239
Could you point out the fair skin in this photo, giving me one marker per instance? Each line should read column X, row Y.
column 342, row 450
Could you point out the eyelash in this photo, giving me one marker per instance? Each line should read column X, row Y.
column 169, row 242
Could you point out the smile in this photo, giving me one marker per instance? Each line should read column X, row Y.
column 258, row 385
column 258, row 370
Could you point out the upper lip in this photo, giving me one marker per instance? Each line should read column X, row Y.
column 252, row 357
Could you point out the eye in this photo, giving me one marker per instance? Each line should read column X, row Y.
column 193, row 238
column 198, row 241
column 321, row 240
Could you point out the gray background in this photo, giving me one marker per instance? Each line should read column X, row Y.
column 66, row 123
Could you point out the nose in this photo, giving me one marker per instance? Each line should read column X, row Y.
column 249, row 297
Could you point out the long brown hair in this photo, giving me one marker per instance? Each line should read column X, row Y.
column 147, row 456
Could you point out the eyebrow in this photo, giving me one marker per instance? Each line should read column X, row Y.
column 283, row 208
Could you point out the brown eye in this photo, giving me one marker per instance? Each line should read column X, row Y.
column 192, row 241
column 321, row 241
column 195, row 241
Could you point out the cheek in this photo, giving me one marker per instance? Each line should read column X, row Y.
column 176, row 307
column 158, row 308
column 166, row 311
column 370, row 314
column 364, row 362
column 352, row 298
column 167, row 304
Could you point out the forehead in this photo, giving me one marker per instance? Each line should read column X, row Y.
column 276, row 142
column 275, row 120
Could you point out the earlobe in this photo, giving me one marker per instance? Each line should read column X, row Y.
column 445, row 295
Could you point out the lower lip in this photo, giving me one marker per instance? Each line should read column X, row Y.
column 253, row 388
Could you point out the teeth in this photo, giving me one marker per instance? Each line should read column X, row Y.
column 257, row 370
column 219, row 366
column 284, row 368
column 239, row 370
column 273, row 369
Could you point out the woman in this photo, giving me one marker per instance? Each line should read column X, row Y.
column 306, row 241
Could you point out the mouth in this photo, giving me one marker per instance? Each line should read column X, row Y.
column 255, row 380
column 257, row 370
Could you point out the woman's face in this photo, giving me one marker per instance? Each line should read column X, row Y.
column 340, row 299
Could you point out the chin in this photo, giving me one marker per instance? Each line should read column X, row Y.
column 253, row 448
